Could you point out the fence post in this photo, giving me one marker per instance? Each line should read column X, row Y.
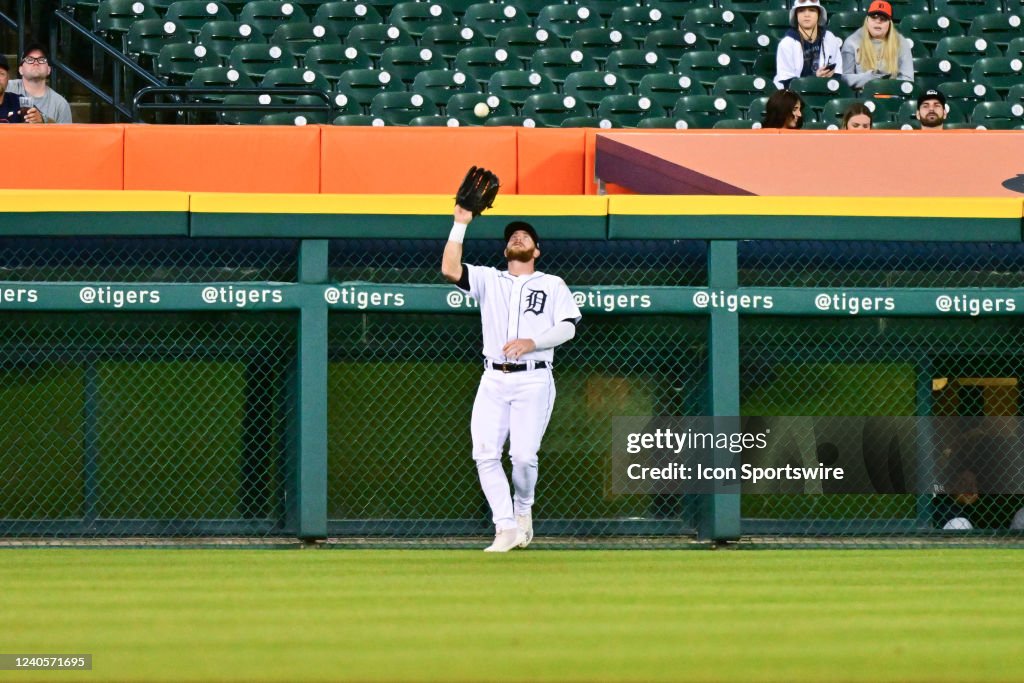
column 720, row 520
column 309, row 509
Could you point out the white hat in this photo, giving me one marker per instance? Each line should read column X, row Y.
column 800, row 4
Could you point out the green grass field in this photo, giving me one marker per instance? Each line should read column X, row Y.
column 925, row 615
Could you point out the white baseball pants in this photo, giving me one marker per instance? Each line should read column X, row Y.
column 515, row 406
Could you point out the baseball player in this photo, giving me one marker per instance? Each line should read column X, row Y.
column 525, row 315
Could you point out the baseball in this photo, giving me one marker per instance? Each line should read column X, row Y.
column 481, row 109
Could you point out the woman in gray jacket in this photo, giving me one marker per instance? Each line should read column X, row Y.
column 877, row 50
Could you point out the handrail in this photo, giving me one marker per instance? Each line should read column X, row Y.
column 138, row 105
column 17, row 23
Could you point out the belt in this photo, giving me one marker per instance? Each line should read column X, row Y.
column 516, row 367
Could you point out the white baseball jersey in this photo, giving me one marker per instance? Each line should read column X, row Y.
column 517, row 307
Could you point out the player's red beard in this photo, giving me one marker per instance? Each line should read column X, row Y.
column 523, row 254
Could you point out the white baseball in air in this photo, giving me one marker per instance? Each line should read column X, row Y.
column 481, row 110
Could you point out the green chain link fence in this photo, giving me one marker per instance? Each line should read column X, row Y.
column 186, row 422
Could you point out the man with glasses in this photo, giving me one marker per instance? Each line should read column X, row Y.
column 46, row 105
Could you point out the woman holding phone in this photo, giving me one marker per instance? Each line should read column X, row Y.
column 808, row 48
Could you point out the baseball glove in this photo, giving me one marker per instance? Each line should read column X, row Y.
column 477, row 191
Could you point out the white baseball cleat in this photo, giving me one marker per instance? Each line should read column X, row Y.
column 505, row 540
column 525, row 524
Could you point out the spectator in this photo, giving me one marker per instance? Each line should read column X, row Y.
column 10, row 111
column 876, row 50
column 856, row 117
column 931, row 110
column 808, row 48
column 48, row 106
column 784, row 109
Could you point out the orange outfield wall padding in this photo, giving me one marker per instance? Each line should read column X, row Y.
column 551, row 160
column 65, row 157
column 368, row 160
column 222, row 158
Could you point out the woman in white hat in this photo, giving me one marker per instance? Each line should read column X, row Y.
column 877, row 50
column 808, row 48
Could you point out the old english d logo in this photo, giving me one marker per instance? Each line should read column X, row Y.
column 535, row 301
column 1015, row 184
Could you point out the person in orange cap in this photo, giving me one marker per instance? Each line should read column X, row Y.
column 876, row 50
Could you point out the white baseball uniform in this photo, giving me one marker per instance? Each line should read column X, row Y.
column 514, row 401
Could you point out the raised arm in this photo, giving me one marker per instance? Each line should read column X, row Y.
column 451, row 262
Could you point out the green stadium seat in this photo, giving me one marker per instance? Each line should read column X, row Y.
column 217, row 77
column 221, row 37
column 361, row 85
column 558, row 62
column 588, row 122
column 398, row 108
column 489, row 18
column 522, row 41
column 462, row 106
column 593, row 86
column 666, row 89
column 334, row 60
column 448, row 40
column 549, row 109
column 965, row 11
column 1015, row 95
column 288, row 77
column 998, row 115
column 147, row 37
column 885, row 108
column 890, row 88
column 510, row 120
column 746, row 46
column 599, row 42
column 564, row 20
column 343, row 16
column 416, row 17
column 257, row 59
column 677, row 9
column 341, row 103
column 816, row 92
column 310, row 7
column 755, row 109
column 965, row 50
column 636, row 23
column 997, row 28
column 533, row 8
column 194, row 14
column 707, row 67
column 176, row 63
column 1015, row 48
column 929, row 29
column 736, row 124
column 373, row 39
column 440, row 85
column 287, row 118
column 267, row 15
column 405, row 61
column 1001, row 73
column 633, row 64
column 356, row 120
column 705, row 110
column 713, row 23
column 846, row 22
column 257, row 109
column 902, row 8
column 482, row 62
column 750, row 10
column 515, row 85
column 674, row 43
column 299, row 38
column 663, row 122
column 114, row 18
column 836, row 6
column 774, row 22
column 764, row 66
column 742, row 89
column 626, row 111
column 435, row 121
column 968, row 95
column 929, row 72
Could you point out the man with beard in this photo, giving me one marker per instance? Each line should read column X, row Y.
column 525, row 314
column 931, row 110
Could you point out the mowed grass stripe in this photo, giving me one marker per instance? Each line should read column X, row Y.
column 924, row 615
